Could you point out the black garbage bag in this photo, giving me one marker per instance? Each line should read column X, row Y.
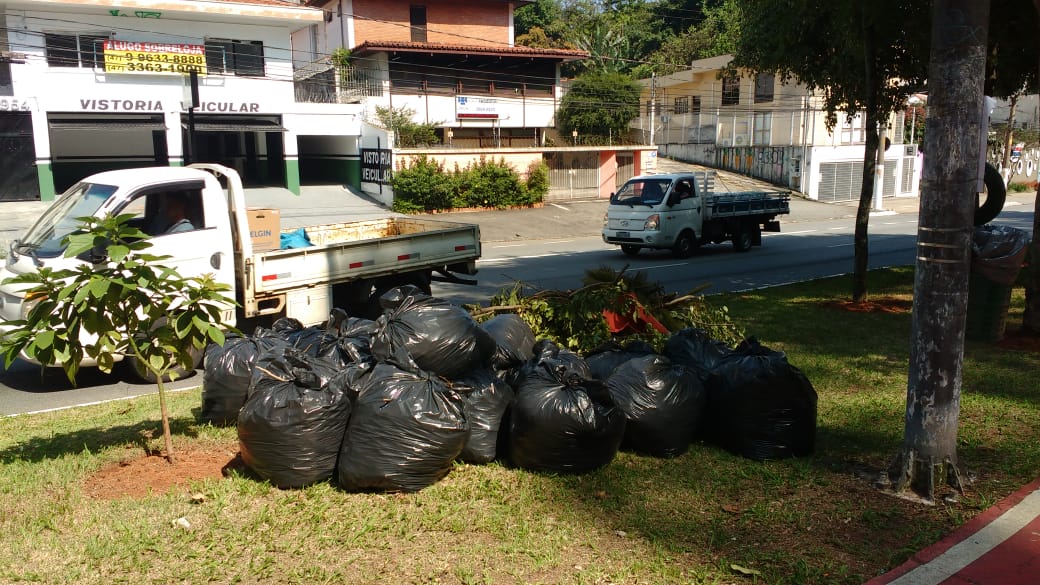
column 562, row 421
column 420, row 332
column 603, row 360
column 347, row 340
column 514, row 340
column 291, row 427
column 997, row 252
column 662, row 401
column 308, row 340
column 694, row 348
column 486, row 399
column 404, row 434
column 227, row 370
column 545, row 349
column 759, row 405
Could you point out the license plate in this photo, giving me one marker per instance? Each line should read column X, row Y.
column 623, row 234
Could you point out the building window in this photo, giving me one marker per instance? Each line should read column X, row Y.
column 730, row 91
column 682, row 105
column 852, row 131
column 75, row 50
column 696, row 106
column 653, row 107
column 417, row 20
column 238, row 57
column 764, row 83
column 763, row 126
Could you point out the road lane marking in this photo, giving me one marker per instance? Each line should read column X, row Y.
column 560, row 206
column 839, row 246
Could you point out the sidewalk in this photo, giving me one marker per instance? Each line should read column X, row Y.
column 1001, row 546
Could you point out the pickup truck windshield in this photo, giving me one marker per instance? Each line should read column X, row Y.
column 44, row 238
column 641, row 192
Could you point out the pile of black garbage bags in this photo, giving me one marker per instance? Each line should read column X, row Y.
column 391, row 404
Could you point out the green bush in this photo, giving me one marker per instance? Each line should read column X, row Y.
column 426, row 186
column 537, row 185
column 491, row 184
column 422, row 186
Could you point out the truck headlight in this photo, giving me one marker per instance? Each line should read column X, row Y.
column 652, row 222
column 606, row 219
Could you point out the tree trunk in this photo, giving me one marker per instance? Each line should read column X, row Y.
column 1009, row 138
column 866, row 191
column 1031, row 317
column 167, row 436
column 928, row 458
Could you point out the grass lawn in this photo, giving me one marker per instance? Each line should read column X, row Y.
column 704, row 517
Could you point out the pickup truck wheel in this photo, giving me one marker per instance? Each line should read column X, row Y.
column 630, row 250
column 141, row 372
column 744, row 238
column 685, row 245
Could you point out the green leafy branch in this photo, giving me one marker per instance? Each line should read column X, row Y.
column 118, row 301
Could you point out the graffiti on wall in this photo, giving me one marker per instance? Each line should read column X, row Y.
column 770, row 163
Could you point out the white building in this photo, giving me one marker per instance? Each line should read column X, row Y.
column 86, row 87
column 760, row 126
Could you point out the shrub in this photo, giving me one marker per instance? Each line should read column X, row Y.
column 421, row 186
column 491, row 184
column 537, row 184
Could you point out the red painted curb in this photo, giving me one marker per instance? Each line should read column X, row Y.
column 970, row 527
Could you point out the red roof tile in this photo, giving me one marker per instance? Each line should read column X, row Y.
column 516, row 51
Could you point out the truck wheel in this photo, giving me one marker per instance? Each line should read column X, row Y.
column 996, row 194
column 744, row 238
column 142, row 373
column 420, row 280
column 630, row 250
column 685, row 245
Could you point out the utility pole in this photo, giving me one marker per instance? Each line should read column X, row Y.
column 653, row 105
column 879, row 168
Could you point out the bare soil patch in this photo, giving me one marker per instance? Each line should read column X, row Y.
column 892, row 305
column 139, row 474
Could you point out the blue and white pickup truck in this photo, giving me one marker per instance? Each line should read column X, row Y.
column 681, row 211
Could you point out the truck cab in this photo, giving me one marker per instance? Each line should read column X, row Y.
column 158, row 199
column 656, row 211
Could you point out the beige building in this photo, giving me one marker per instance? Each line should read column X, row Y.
column 761, row 126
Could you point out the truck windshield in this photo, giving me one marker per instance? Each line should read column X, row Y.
column 641, row 192
column 44, row 238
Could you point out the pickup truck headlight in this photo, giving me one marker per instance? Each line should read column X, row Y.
column 606, row 219
column 652, row 222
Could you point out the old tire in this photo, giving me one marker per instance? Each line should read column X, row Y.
column 630, row 250
column 143, row 374
column 685, row 245
column 996, row 194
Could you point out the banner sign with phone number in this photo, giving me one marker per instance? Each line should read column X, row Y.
column 161, row 58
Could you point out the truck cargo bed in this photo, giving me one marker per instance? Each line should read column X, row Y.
column 349, row 251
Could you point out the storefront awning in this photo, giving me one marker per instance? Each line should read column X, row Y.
column 106, row 125
column 231, row 125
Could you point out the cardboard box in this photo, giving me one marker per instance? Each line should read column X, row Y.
column 265, row 226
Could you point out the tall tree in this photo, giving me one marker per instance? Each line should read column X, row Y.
column 928, row 457
column 863, row 57
column 599, row 104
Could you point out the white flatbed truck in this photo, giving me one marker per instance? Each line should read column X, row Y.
column 348, row 264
